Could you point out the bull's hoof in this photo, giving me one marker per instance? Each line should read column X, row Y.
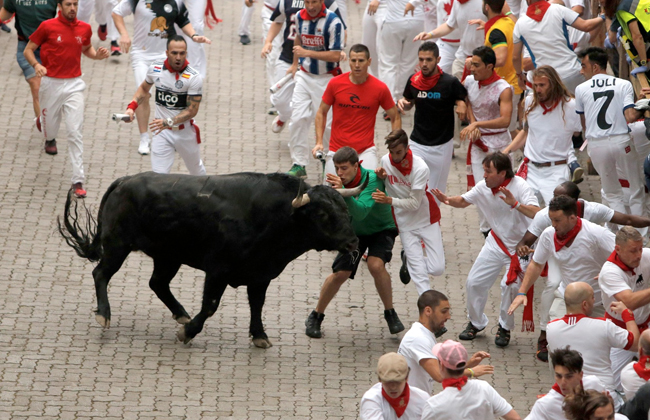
column 262, row 343
column 182, row 336
column 183, row 319
column 103, row 321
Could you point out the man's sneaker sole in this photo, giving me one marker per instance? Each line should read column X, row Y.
column 577, row 176
column 404, row 275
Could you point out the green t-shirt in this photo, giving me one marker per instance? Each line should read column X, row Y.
column 367, row 216
column 30, row 14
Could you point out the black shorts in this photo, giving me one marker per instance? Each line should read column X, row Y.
column 379, row 245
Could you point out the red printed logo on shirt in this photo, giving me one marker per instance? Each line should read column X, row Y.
column 628, row 149
column 312, row 41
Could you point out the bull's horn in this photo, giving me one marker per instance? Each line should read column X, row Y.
column 301, row 199
column 353, row 192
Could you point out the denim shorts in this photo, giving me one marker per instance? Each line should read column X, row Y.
column 28, row 70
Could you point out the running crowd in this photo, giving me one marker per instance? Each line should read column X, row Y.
column 501, row 76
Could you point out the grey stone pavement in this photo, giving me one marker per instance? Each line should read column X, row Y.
column 57, row 363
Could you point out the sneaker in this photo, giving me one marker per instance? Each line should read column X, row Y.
column 542, row 350
column 404, row 275
column 503, row 337
column 394, row 324
column 37, row 121
column 115, row 49
column 576, row 172
column 470, row 332
column 441, row 332
column 5, row 27
column 313, row 324
column 298, row 171
column 79, row 191
column 244, row 39
column 144, row 147
column 50, row 147
column 101, row 32
column 277, row 126
column 272, row 111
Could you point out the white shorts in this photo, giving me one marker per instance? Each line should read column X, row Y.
column 140, row 63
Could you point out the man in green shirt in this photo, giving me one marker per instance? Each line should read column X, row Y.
column 29, row 15
column 374, row 225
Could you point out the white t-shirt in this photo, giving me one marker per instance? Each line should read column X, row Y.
column 416, row 345
column 549, row 135
column 470, row 38
column 594, row 338
column 631, row 381
column 477, row 400
column 172, row 95
column 579, row 39
column 547, row 41
column 395, row 11
column 603, row 100
column 613, row 280
column 508, row 224
column 375, row 407
column 581, row 261
column 594, row 212
column 549, row 407
column 400, row 186
column 444, row 9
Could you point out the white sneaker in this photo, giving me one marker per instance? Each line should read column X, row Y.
column 277, row 126
column 144, row 147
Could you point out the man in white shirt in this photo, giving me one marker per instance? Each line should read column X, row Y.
column 392, row 397
column 569, row 379
column 607, row 104
column 637, row 374
column 417, row 343
column 508, row 204
column 594, row 338
column 463, row 398
column 415, row 210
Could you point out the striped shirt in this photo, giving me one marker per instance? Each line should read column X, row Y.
column 322, row 34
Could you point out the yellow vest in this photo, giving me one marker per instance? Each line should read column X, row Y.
column 507, row 72
column 641, row 13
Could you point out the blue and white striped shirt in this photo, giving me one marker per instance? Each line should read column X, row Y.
column 322, row 34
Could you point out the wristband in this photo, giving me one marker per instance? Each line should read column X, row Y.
column 521, row 294
column 132, row 105
column 508, row 13
column 471, row 372
column 627, row 316
column 193, row 35
column 514, row 206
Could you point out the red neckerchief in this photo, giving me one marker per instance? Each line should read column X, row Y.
column 355, row 181
column 640, row 368
column 489, row 23
column 503, row 184
column 457, row 382
column 561, row 242
column 305, row 16
column 65, row 21
column 422, row 82
column 489, row 80
column 171, row 70
column 462, row 1
column 556, row 387
column 537, row 10
column 615, row 259
column 523, row 169
column 549, row 109
column 580, row 204
column 400, row 403
column 405, row 165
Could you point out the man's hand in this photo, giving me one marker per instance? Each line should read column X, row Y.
column 617, row 307
column 468, row 63
column 461, row 111
column 519, row 300
column 524, row 250
column 507, row 196
column 266, row 49
column 300, row 51
column 422, row 36
column 131, row 114
column 40, row 70
column 479, row 22
column 158, row 125
column 409, row 8
column 381, row 173
column 440, row 196
column 102, row 53
column 381, row 197
column 249, row 3
column 293, row 69
column 471, row 132
column 334, row 181
column 372, row 7
column 478, row 357
column 344, row 56
column 481, row 370
column 316, row 149
column 404, row 105
column 200, row 39
column 125, row 43
column 521, row 81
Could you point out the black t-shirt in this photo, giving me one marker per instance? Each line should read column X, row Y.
column 434, row 110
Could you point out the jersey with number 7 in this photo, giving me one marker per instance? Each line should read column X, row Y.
column 603, row 100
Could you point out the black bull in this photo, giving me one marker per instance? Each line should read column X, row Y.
column 240, row 229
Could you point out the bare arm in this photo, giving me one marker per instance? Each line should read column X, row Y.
column 633, row 300
column 274, row 30
column 588, row 25
column 439, row 32
column 532, row 273
column 395, row 119
column 125, row 40
column 141, row 95
column 523, row 246
column 432, row 367
column 189, row 31
column 330, row 56
column 189, row 112
column 100, row 54
column 455, row 201
column 512, row 415
column 321, row 119
column 637, row 39
column 31, row 59
column 620, row 307
column 4, row 14
column 502, row 55
column 630, row 220
column 632, row 115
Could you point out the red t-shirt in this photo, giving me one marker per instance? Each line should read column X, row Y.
column 354, row 110
column 61, row 43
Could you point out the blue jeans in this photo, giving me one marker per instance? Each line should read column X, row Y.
column 28, row 71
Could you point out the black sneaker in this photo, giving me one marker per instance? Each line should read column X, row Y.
column 542, row 350
column 441, row 332
column 394, row 324
column 244, row 39
column 313, row 324
column 470, row 332
column 503, row 337
column 5, row 27
column 404, row 275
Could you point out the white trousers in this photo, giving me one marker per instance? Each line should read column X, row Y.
column 343, row 10
column 423, row 262
column 167, row 142
column 606, row 155
column 447, row 54
column 272, row 57
column 103, row 10
column 63, row 100
column 368, row 159
column 281, row 99
column 140, row 64
column 398, row 55
column 480, row 279
column 371, row 34
column 438, row 159
column 307, row 94
column 196, row 51
column 544, row 180
column 246, row 18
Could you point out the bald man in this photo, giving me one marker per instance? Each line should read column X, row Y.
column 594, row 338
column 637, row 374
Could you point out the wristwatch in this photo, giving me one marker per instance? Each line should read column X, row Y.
column 643, row 62
column 170, row 122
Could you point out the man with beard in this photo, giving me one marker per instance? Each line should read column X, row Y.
column 418, row 342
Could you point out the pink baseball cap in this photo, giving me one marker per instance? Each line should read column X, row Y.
column 451, row 354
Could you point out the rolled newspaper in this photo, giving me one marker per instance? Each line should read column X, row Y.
column 280, row 83
column 121, row 117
